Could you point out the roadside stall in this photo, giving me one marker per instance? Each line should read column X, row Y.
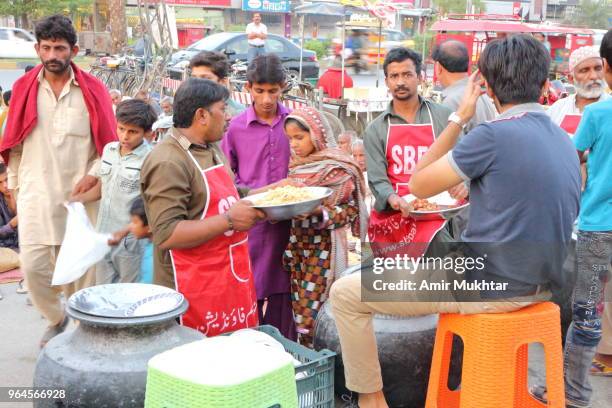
column 365, row 103
column 475, row 31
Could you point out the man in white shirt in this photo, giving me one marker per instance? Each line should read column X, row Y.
column 587, row 74
column 257, row 32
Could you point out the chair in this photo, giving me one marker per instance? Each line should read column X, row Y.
column 495, row 359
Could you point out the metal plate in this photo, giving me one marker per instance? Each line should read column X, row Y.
column 288, row 211
column 126, row 300
column 448, row 207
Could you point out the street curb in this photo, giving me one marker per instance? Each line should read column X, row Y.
column 21, row 64
column 14, row 64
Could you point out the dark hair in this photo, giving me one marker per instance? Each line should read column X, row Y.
column 216, row 61
column 296, row 123
column 56, row 27
column 28, row 68
column 193, row 94
column 401, row 54
column 137, row 209
column 606, row 48
column 516, row 68
column 6, row 97
column 266, row 69
column 136, row 112
column 2, row 168
column 452, row 55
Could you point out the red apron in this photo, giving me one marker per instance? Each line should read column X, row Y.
column 216, row 276
column 570, row 123
column 406, row 144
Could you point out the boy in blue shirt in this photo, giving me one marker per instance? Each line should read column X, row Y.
column 139, row 227
column 594, row 244
column 118, row 186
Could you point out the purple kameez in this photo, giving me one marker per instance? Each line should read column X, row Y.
column 259, row 155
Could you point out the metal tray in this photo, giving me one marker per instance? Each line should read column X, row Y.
column 126, row 300
column 288, row 211
column 446, row 211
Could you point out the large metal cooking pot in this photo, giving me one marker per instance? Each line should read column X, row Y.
column 103, row 362
column 405, row 348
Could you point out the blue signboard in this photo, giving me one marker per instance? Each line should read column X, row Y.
column 267, row 6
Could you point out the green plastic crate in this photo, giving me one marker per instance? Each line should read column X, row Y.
column 275, row 389
column 315, row 377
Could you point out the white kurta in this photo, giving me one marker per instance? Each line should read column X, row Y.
column 566, row 106
column 52, row 159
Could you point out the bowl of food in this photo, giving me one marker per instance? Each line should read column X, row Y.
column 438, row 207
column 287, row 202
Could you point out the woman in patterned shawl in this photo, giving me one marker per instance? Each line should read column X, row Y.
column 318, row 247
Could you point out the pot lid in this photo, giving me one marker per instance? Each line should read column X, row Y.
column 126, row 300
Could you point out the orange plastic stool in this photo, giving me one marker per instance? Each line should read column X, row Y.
column 495, row 359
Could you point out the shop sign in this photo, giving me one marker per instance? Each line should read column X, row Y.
column 209, row 3
column 267, row 6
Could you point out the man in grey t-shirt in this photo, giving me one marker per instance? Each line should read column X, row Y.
column 525, row 191
column 452, row 67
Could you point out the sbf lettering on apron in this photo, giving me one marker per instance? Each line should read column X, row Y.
column 405, row 160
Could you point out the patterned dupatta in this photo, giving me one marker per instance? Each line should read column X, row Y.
column 330, row 167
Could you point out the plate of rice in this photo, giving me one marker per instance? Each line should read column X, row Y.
column 287, row 202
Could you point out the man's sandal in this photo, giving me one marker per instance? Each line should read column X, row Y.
column 539, row 392
column 600, row 369
column 21, row 290
column 53, row 331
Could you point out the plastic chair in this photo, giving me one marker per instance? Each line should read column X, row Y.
column 495, row 359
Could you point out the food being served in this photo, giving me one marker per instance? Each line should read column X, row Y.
column 285, row 195
column 421, row 204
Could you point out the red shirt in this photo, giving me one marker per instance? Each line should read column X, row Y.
column 331, row 81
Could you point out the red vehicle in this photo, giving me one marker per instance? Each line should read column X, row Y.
column 475, row 31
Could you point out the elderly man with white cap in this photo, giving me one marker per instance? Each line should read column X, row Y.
column 587, row 73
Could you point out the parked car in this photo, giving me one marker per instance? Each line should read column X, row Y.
column 236, row 47
column 16, row 43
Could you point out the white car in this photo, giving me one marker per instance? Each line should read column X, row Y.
column 16, row 43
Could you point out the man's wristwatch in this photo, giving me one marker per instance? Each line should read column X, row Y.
column 229, row 221
column 455, row 118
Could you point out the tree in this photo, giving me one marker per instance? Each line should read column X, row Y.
column 27, row 11
column 118, row 24
column 592, row 14
column 456, row 6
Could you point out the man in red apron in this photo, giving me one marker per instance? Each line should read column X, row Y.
column 198, row 221
column 587, row 74
column 394, row 143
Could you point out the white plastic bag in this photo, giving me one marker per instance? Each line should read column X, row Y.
column 82, row 246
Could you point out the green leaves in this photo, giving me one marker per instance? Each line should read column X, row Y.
column 35, row 9
column 591, row 14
